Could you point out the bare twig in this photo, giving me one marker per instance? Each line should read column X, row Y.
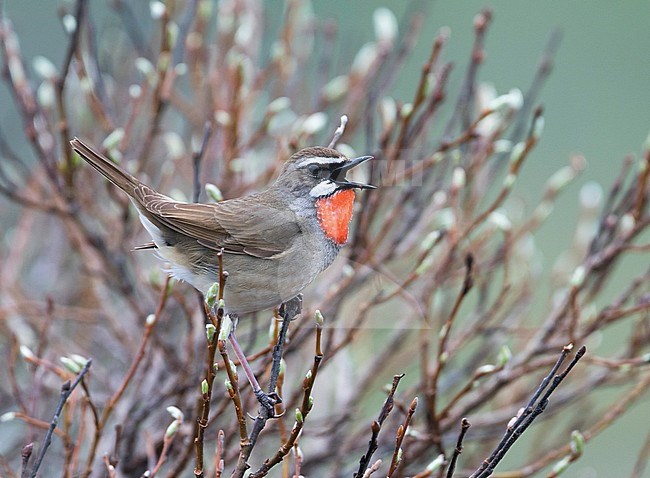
column 25, row 455
column 339, row 132
column 376, row 428
column 213, row 331
column 80, row 11
column 66, row 390
column 197, row 157
column 535, row 407
column 464, row 426
column 218, row 456
column 401, row 433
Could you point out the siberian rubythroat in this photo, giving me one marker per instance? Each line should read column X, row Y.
column 274, row 242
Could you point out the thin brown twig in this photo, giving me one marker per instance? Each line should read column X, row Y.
column 218, row 456
column 60, row 84
column 233, row 391
column 66, row 390
column 401, row 433
column 301, row 413
column 213, row 332
column 464, row 426
column 375, row 428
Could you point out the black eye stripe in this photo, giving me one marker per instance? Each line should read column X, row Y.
column 322, row 171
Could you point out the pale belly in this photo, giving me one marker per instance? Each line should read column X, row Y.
column 253, row 283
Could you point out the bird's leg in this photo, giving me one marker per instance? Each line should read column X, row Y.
column 288, row 311
column 268, row 401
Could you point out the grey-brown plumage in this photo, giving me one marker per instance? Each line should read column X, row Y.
column 273, row 243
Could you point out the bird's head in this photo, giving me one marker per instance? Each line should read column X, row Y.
column 319, row 172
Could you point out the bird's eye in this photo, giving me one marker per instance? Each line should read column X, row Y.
column 314, row 170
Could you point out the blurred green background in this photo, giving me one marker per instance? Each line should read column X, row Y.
column 597, row 103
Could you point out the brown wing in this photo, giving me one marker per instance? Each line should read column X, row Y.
column 242, row 226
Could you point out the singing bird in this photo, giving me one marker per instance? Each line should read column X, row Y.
column 274, row 242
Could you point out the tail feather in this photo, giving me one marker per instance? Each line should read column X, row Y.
column 106, row 167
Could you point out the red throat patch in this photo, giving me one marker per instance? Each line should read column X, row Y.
column 334, row 214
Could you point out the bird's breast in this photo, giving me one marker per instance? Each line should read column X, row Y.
column 334, row 214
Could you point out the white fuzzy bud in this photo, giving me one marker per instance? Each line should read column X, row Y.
column 171, row 429
column 543, row 210
column 175, row 412
column 172, row 33
column 407, row 110
column 146, row 68
column 485, row 369
column 336, row 88
column 388, row 111
column 436, row 464
column 113, row 139
column 226, row 327
column 70, row 364
column 364, row 59
column 26, row 352
column 430, row 240
column 627, row 224
column 79, row 359
column 591, row 195
column 212, row 295
column 578, row 277
column 44, row 67
column 210, row 330
column 135, row 91
column 517, row 152
column 561, row 465
column 577, row 442
column 504, row 355
column 222, row 118
column 279, row 104
column 502, row 146
column 561, row 178
column 509, row 180
column 46, row 95
column 458, row 178
column 319, row 318
column 500, row 220
column 538, row 128
column 157, row 9
column 69, row 23
column 513, row 100
column 174, row 144
column 385, row 24
column 7, row 417
column 314, row 123
column 213, row 192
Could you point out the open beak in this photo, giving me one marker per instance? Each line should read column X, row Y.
column 338, row 174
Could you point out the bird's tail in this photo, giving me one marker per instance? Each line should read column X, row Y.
column 108, row 168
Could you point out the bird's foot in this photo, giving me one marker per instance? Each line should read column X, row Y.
column 268, row 402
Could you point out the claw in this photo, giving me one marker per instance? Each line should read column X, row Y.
column 269, row 401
